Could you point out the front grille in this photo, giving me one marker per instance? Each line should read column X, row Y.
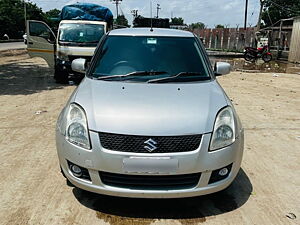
column 150, row 182
column 156, row 144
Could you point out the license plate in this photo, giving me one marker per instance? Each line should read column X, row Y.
column 161, row 165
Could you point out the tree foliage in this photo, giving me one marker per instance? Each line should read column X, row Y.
column 52, row 18
column 274, row 10
column 198, row 25
column 177, row 21
column 12, row 21
column 121, row 21
column 219, row 26
column 53, row 13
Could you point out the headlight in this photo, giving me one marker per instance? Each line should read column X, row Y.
column 76, row 129
column 224, row 130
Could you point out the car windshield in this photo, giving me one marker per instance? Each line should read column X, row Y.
column 144, row 59
column 80, row 33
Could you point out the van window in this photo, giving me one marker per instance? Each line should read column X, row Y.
column 81, row 33
column 40, row 30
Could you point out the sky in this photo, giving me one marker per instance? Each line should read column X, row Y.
column 210, row 12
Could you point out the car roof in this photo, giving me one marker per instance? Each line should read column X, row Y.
column 159, row 32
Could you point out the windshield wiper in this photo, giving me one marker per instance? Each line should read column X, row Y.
column 181, row 74
column 136, row 73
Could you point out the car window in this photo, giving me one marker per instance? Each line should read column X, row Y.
column 123, row 54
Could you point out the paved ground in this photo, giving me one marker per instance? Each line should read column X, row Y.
column 12, row 45
column 266, row 190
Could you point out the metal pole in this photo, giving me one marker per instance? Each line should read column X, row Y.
column 117, row 6
column 151, row 16
column 134, row 13
column 279, row 39
column 245, row 23
column 25, row 15
column 246, row 13
column 157, row 8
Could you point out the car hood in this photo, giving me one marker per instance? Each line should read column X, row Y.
column 150, row 109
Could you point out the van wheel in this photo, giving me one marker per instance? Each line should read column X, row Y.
column 61, row 77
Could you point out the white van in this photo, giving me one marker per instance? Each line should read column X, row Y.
column 74, row 39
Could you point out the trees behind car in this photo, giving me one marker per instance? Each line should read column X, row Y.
column 12, row 20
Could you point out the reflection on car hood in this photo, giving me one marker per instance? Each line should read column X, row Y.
column 150, row 109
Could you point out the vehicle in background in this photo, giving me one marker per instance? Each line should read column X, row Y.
column 150, row 119
column 25, row 38
column 141, row 21
column 179, row 27
column 5, row 37
column 81, row 27
column 251, row 54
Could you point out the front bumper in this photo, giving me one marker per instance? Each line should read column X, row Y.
column 199, row 161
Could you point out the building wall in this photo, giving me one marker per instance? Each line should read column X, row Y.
column 294, row 55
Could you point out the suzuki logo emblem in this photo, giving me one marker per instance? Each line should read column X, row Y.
column 150, row 145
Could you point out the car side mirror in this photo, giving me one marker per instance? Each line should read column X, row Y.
column 222, row 68
column 79, row 65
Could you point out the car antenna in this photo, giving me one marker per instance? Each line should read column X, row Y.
column 151, row 21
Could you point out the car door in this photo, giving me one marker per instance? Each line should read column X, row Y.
column 41, row 41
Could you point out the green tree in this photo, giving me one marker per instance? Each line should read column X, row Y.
column 53, row 13
column 121, row 21
column 52, row 18
column 219, row 26
column 12, row 21
column 274, row 10
column 198, row 25
column 177, row 21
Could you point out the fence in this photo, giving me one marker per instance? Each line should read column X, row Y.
column 280, row 38
column 232, row 39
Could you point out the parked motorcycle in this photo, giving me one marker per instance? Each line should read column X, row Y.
column 251, row 54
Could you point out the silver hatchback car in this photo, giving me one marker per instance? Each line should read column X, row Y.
column 150, row 119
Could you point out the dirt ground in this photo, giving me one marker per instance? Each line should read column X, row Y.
column 33, row 191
